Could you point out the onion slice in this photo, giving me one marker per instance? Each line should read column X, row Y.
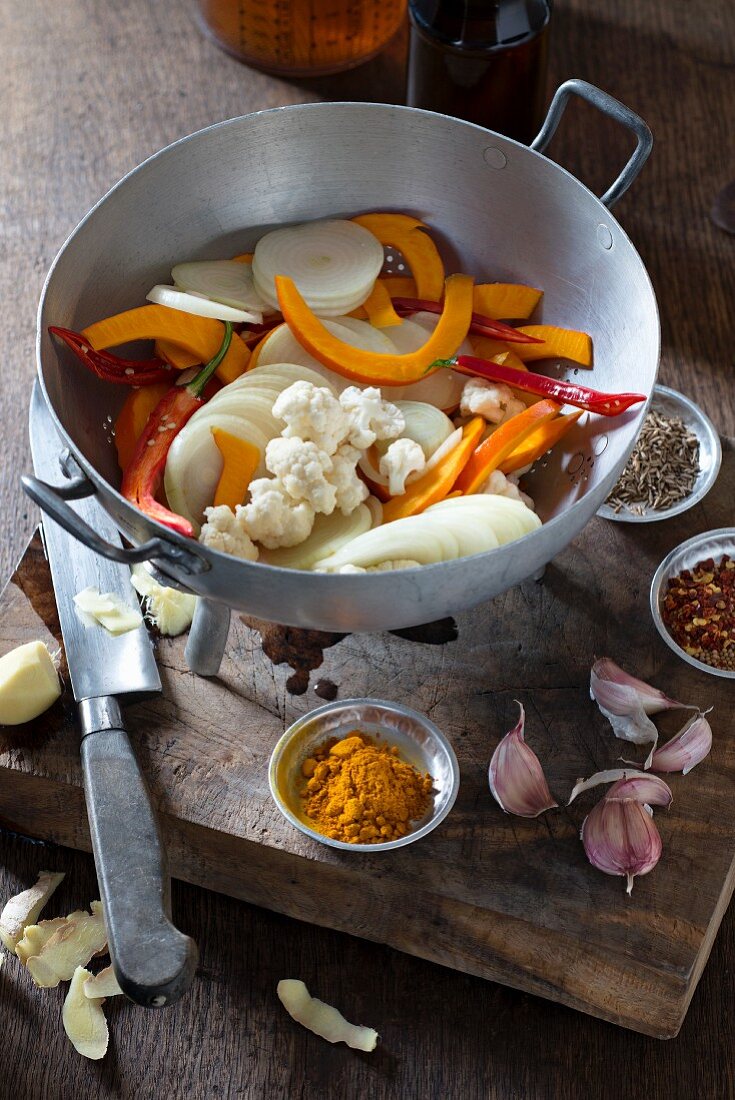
column 225, row 281
column 334, row 264
column 199, row 306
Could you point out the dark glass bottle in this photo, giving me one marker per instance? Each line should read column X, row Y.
column 481, row 61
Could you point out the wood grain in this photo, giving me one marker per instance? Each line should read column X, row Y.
column 506, row 899
column 89, row 89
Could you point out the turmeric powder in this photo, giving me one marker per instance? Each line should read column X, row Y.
column 361, row 792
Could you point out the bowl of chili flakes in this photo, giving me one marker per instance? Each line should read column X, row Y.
column 693, row 601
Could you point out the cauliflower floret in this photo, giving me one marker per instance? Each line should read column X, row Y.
column 350, row 489
column 402, row 458
column 272, row 517
column 313, row 413
column 500, row 485
column 370, row 416
column 301, row 467
column 223, row 531
column 493, row 400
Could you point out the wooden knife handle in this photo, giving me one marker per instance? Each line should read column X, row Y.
column 154, row 963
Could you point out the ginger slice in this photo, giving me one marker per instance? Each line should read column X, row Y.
column 323, row 1019
column 83, row 1018
column 36, row 936
column 72, row 945
column 103, row 984
column 23, row 909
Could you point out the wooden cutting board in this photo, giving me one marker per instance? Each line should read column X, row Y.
column 511, row 900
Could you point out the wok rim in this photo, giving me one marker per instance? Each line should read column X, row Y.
column 212, row 557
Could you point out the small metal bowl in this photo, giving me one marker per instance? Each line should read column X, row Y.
column 418, row 740
column 672, row 403
column 710, row 544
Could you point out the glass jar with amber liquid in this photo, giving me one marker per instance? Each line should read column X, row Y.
column 302, row 37
column 482, row 61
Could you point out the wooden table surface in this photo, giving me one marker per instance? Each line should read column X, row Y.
column 89, row 90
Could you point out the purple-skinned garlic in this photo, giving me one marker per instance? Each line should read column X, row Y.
column 517, row 780
column 686, row 749
column 621, row 838
column 626, row 702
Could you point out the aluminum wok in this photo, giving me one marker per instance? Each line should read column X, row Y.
column 497, row 208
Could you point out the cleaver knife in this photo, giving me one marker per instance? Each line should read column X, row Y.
column 154, row 963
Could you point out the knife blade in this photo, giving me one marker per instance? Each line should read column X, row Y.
column 154, row 963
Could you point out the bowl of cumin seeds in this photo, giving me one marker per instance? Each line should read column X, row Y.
column 674, row 463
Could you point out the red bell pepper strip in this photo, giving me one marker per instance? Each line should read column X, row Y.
column 112, row 368
column 569, row 393
column 142, row 478
column 483, row 326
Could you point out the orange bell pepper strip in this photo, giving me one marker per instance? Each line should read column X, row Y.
column 243, row 258
column 439, row 482
column 509, row 301
column 175, row 355
column 379, row 307
column 539, row 442
column 201, row 336
column 561, row 343
column 399, row 286
column 505, row 439
column 417, row 248
column 384, row 369
column 240, row 460
column 133, row 417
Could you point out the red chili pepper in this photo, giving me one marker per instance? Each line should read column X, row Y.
column 142, row 478
column 126, row 372
column 569, row 393
column 482, row 326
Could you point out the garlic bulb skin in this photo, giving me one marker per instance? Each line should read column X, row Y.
column 687, row 749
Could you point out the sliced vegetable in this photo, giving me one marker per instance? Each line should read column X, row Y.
column 334, row 264
column 198, row 335
column 225, row 281
column 240, row 459
column 561, row 343
column 499, row 445
column 483, row 326
column 198, row 305
column 177, row 356
column 23, row 909
column 281, row 346
column 83, row 1019
column 170, row 610
column 433, row 486
column 399, row 286
column 328, row 535
column 111, row 368
column 106, row 609
column 243, row 258
column 606, row 404
column 389, row 370
column 416, row 246
column 379, row 307
column 425, row 424
column 133, row 417
column 539, row 442
column 445, row 531
column 507, row 300
column 142, row 478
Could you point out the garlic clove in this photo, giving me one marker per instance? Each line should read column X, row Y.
column 620, row 838
column 517, row 780
column 687, row 748
column 619, row 692
column 628, row 783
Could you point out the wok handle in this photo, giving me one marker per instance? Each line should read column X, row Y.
column 52, row 500
column 154, row 963
column 614, row 110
